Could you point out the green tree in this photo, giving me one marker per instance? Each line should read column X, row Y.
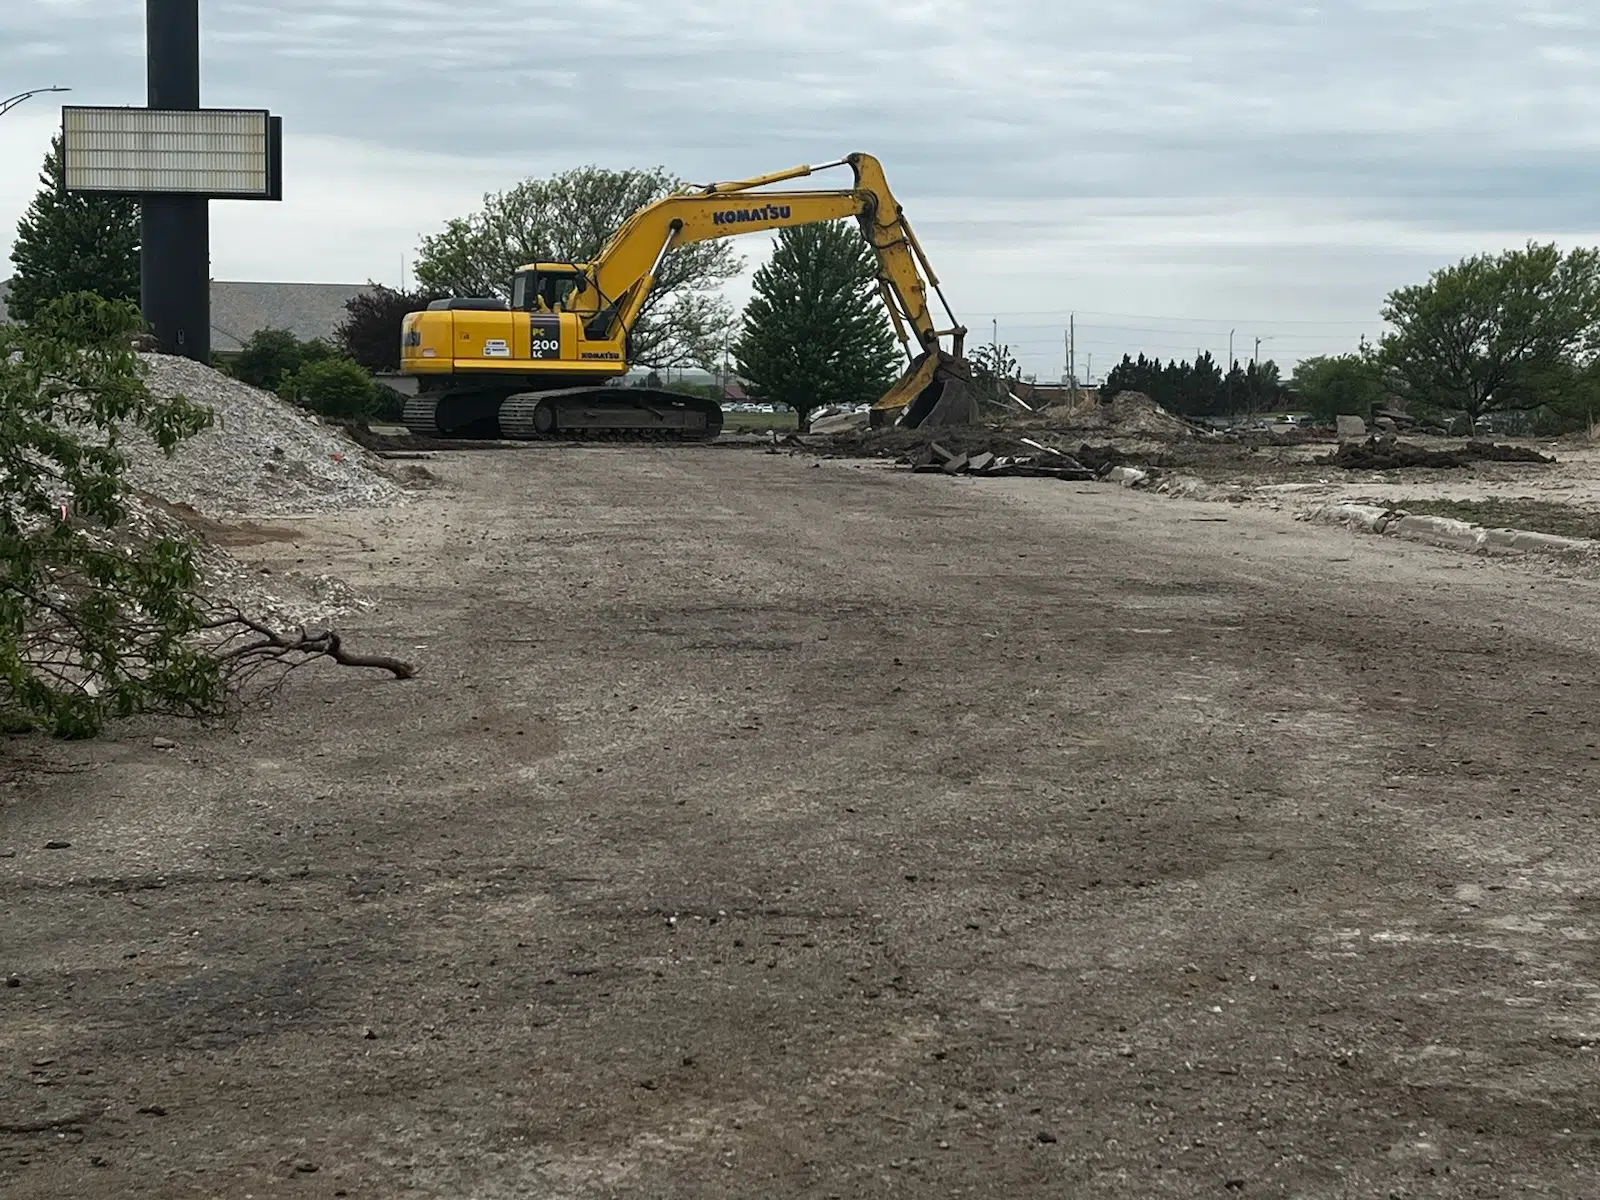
column 94, row 622
column 1339, row 385
column 993, row 367
column 337, row 388
column 815, row 331
column 1494, row 332
column 99, row 616
column 568, row 218
column 73, row 242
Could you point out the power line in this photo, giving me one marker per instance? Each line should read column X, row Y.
column 1191, row 333
column 1131, row 342
column 1063, row 313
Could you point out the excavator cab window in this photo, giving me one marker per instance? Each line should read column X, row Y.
column 542, row 291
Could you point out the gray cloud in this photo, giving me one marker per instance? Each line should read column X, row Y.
column 1156, row 156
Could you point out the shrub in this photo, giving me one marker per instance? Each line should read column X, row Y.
column 336, row 388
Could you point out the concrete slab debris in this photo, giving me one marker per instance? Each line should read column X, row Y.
column 1128, row 477
column 1054, row 465
column 1446, row 532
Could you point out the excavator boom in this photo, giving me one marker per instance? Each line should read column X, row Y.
column 537, row 367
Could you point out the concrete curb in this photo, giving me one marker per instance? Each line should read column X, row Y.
column 1445, row 532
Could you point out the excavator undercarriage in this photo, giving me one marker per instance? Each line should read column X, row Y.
column 620, row 413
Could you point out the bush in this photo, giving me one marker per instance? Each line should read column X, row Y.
column 268, row 358
column 272, row 357
column 391, row 405
column 336, row 388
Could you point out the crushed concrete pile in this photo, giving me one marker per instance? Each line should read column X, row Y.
column 284, row 601
column 1382, row 454
column 262, row 456
column 1124, row 413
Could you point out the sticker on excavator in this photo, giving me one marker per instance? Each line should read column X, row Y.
column 544, row 337
column 496, row 348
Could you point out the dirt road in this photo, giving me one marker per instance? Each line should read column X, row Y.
column 762, row 828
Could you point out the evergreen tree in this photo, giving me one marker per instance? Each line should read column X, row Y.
column 73, row 242
column 815, row 332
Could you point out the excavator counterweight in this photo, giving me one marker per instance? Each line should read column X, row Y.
column 548, row 363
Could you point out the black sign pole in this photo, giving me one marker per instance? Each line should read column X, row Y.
column 175, row 261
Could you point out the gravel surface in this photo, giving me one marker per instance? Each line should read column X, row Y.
column 762, row 827
column 262, row 457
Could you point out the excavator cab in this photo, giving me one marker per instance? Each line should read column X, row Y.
column 546, row 287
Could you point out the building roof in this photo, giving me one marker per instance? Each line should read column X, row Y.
column 307, row 310
column 238, row 309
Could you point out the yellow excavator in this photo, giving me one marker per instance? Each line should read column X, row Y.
column 546, row 364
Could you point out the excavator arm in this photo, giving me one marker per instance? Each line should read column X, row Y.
column 626, row 268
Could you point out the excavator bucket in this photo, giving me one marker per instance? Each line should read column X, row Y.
column 936, row 390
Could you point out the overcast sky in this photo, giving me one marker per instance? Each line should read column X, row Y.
column 1168, row 169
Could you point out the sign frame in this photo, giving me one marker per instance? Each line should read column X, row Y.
column 274, row 152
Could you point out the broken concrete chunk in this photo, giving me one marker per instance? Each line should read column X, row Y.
column 1352, row 429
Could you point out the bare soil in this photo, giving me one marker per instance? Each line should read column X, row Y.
column 767, row 827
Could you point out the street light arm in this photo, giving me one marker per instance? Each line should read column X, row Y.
column 8, row 104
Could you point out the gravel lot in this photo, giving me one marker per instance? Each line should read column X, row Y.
column 764, row 827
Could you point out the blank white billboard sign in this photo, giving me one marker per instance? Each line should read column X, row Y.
column 216, row 152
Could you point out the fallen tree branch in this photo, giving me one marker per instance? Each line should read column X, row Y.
column 270, row 645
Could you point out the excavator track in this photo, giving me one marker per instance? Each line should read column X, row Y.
column 453, row 414
column 420, row 416
column 620, row 414
column 590, row 413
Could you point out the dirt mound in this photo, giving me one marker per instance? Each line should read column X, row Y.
column 1494, row 452
column 1376, row 454
column 1124, row 413
column 262, row 456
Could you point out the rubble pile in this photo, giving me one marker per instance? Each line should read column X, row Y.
column 1045, row 462
column 1386, row 454
column 262, row 456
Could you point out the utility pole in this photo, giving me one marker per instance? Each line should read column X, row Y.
column 1231, row 332
column 1088, row 372
column 1066, row 356
column 996, row 335
column 1255, row 361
